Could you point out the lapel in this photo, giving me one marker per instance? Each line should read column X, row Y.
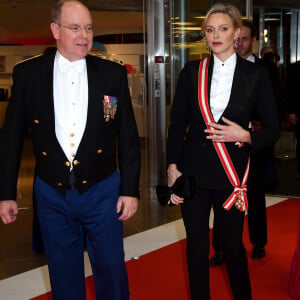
column 95, row 87
column 95, row 91
column 240, row 86
column 242, row 81
column 256, row 59
column 46, row 86
column 95, row 94
column 195, row 81
column 210, row 71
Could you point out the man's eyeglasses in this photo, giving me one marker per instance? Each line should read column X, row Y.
column 77, row 28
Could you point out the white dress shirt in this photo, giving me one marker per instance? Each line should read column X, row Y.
column 221, row 84
column 251, row 58
column 70, row 90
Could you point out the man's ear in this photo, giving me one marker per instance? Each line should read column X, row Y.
column 55, row 30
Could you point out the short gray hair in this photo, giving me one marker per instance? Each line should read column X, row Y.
column 57, row 7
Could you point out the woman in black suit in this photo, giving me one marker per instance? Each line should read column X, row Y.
column 209, row 139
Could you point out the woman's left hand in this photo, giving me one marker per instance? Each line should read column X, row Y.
column 230, row 132
column 173, row 174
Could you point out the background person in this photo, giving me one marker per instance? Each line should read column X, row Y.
column 265, row 50
column 80, row 113
column 293, row 105
column 235, row 89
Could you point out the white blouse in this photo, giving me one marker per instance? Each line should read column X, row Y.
column 221, row 84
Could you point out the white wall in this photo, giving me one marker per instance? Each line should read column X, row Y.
column 130, row 54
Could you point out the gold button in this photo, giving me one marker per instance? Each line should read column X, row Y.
column 99, row 151
column 72, row 144
column 72, row 134
column 36, row 121
column 44, row 153
column 75, row 162
column 84, row 181
column 59, row 184
column 67, row 163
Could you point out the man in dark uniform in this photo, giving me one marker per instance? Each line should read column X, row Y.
column 293, row 104
column 87, row 153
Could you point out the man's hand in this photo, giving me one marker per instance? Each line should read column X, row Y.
column 8, row 211
column 128, row 205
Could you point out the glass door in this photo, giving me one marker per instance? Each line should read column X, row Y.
column 127, row 45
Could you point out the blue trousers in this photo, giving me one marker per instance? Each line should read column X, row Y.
column 65, row 223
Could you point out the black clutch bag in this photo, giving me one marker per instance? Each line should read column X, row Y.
column 184, row 187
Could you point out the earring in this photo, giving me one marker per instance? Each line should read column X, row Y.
column 206, row 44
column 235, row 43
column 207, row 47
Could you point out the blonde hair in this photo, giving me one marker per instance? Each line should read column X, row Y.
column 228, row 9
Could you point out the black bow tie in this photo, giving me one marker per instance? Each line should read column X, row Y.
column 184, row 187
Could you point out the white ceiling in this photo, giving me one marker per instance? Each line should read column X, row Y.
column 27, row 21
column 279, row 4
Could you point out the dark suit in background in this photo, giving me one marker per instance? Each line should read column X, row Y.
column 195, row 155
column 293, row 103
column 262, row 174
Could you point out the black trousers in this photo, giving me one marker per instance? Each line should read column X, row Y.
column 257, row 215
column 229, row 228
column 297, row 135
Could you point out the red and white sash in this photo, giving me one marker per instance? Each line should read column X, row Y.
column 240, row 190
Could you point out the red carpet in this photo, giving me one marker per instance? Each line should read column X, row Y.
column 162, row 275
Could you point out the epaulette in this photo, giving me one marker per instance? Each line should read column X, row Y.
column 102, row 56
column 28, row 58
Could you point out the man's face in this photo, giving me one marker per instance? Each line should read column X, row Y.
column 244, row 42
column 73, row 33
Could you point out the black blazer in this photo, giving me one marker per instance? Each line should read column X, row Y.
column 187, row 145
column 292, row 89
column 31, row 106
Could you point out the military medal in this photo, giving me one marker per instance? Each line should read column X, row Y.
column 239, row 202
column 110, row 104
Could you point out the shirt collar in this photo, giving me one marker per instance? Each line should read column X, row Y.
column 251, row 58
column 229, row 63
column 64, row 64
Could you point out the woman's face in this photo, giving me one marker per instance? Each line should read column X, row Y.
column 220, row 35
